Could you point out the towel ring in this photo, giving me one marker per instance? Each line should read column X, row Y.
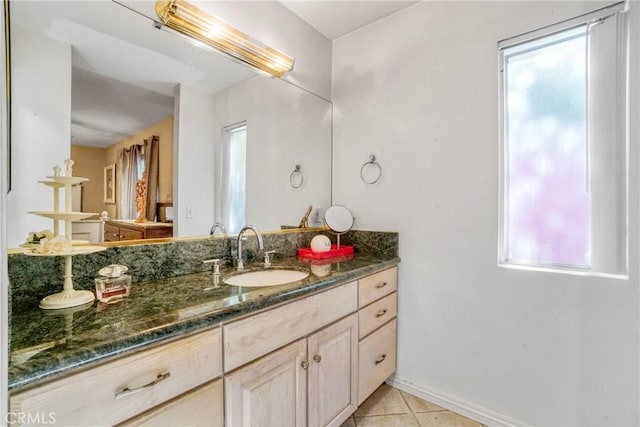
column 296, row 178
column 375, row 171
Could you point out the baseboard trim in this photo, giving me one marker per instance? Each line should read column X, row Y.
column 455, row 404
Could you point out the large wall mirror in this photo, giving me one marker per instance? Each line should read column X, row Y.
column 92, row 80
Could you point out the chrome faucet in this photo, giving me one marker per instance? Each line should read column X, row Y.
column 217, row 225
column 240, row 266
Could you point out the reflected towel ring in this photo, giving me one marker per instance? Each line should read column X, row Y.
column 296, row 178
column 375, row 171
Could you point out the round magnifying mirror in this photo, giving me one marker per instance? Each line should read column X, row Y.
column 339, row 220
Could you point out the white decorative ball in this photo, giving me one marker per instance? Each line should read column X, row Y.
column 320, row 243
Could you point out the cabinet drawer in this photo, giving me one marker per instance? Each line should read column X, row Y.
column 111, row 233
column 377, row 359
column 159, row 232
column 118, row 390
column 126, row 234
column 377, row 285
column 201, row 407
column 376, row 314
column 248, row 339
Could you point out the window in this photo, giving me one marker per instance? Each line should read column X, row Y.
column 563, row 158
column 234, row 173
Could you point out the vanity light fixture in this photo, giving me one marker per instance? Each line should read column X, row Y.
column 187, row 19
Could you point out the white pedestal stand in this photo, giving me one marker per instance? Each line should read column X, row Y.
column 69, row 297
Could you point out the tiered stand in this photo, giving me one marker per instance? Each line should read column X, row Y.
column 69, row 297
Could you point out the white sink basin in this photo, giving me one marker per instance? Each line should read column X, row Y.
column 265, row 277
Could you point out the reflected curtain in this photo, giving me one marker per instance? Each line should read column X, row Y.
column 151, row 173
column 128, row 163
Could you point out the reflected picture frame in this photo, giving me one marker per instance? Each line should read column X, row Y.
column 110, row 184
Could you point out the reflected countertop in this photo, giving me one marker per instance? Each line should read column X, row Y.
column 47, row 343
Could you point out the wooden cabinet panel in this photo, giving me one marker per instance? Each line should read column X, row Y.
column 118, row 390
column 111, row 233
column 377, row 285
column 377, row 314
column 202, row 407
column 271, row 391
column 115, row 231
column 333, row 373
column 250, row 338
column 158, row 232
column 126, row 234
column 377, row 359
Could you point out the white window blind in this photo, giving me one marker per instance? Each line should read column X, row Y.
column 234, row 173
column 563, row 156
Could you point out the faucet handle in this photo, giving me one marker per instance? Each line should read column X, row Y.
column 267, row 258
column 216, row 264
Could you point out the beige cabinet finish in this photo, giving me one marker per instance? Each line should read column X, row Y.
column 271, row 391
column 375, row 286
column 377, row 314
column 250, row 338
column 333, row 373
column 377, row 300
column 377, row 359
column 202, row 407
column 118, row 390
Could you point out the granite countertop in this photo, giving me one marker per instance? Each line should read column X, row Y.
column 47, row 343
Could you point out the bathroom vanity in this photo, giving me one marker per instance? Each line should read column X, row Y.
column 305, row 353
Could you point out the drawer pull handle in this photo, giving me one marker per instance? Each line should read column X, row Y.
column 380, row 359
column 381, row 313
column 304, row 364
column 381, row 285
column 317, row 358
column 128, row 391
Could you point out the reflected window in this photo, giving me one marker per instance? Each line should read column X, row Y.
column 563, row 157
column 234, row 173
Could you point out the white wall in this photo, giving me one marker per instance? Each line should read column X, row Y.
column 193, row 160
column 419, row 90
column 285, row 126
column 40, row 112
column 273, row 24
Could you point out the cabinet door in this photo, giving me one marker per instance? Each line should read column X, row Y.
column 271, row 391
column 333, row 373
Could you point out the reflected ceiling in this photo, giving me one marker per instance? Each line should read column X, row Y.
column 113, row 96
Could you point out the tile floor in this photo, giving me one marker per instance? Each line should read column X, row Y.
column 390, row 407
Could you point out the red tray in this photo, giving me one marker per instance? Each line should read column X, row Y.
column 331, row 253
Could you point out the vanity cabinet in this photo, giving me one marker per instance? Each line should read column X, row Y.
column 377, row 302
column 312, row 381
column 310, row 361
column 119, row 390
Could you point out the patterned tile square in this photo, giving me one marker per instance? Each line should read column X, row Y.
column 418, row 405
column 386, row 400
column 444, row 419
column 398, row 420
